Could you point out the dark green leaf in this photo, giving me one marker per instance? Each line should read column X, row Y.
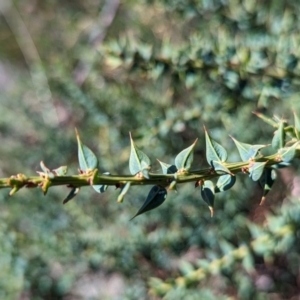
column 138, row 161
column 266, row 181
column 214, row 151
column 155, row 198
column 256, row 169
column 167, row 169
column 184, row 159
column 281, row 165
column 72, row 194
column 224, row 183
column 278, row 140
column 87, row 159
column 208, row 195
column 247, row 151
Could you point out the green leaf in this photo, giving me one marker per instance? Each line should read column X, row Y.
column 214, row 151
column 87, row 159
column 208, row 195
column 101, row 188
column 155, row 198
column 278, row 140
column 247, row 151
column 287, row 154
column 184, row 159
column 297, row 125
column 224, row 183
column 256, row 170
column 72, row 194
column 248, row 262
column 123, row 192
column 138, row 161
column 167, row 169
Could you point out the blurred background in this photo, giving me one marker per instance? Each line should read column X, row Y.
column 160, row 69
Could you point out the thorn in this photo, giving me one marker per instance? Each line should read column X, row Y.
column 211, row 211
column 262, row 201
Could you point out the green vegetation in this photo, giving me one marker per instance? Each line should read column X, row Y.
column 160, row 70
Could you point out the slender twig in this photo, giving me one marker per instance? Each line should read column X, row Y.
column 93, row 178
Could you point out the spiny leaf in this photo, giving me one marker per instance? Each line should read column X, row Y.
column 256, row 169
column 124, row 191
column 138, row 161
column 184, row 159
column 278, row 140
column 247, row 151
column 287, row 154
column 214, row 151
column 87, row 159
column 224, row 183
column 72, row 194
column 208, row 195
column 167, row 169
column 155, row 198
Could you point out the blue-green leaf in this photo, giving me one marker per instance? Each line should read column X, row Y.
column 184, row 159
column 247, row 151
column 101, row 188
column 256, row 169
column 214, row 151
column 72, row 194
column 287, row 154
column 46, row 171
column 220, row 168
column 278, row 140
column 167, row 169
column 61, row 171
column 224, row 183
column 155, row 198
column 208, row 195
column 87, row 159
column 138, row 161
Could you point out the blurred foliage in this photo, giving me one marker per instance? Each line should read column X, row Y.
column 160, row 69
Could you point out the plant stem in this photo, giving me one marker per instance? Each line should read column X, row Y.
column 92, row 178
